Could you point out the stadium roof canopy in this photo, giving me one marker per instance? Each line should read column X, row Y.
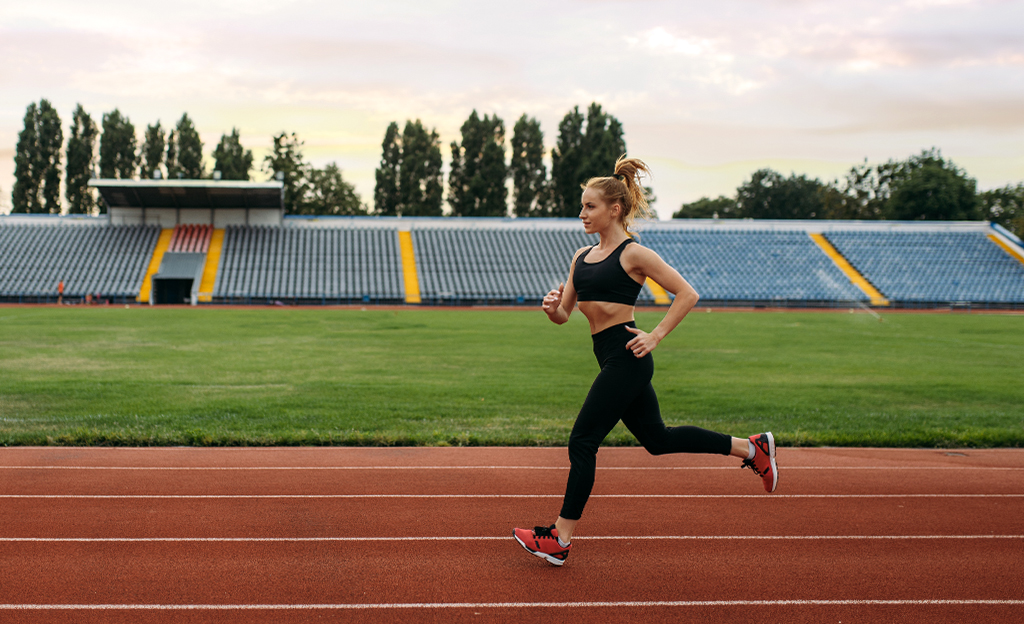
column 205, row 194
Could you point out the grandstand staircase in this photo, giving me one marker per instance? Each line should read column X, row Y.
column 858, row 280
column 185, row 260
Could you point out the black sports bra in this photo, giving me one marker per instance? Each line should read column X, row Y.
column 605, row 280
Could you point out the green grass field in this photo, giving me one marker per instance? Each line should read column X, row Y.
column 141, row 376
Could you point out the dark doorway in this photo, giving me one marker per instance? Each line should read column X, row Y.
column 174, row 291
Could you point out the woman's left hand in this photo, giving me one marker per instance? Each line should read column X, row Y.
column 643, row 344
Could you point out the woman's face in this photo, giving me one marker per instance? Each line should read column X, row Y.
column 597, row 214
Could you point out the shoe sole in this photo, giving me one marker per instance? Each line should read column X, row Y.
column 537, row 553
column 771, row 458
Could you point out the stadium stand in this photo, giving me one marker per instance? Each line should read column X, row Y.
column 754, row 266
column 109, row 261
column 191, row 239
column 487, row 266
column 923, row 267
column 310, row 265
column 213, row 242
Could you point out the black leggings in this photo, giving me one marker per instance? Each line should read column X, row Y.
column 623, row 391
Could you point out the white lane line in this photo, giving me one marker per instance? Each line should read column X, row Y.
column 508, row 537
column 654, row 468
column 488, row 496
column 502, row 605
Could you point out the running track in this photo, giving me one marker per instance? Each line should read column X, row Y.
column 424, row 535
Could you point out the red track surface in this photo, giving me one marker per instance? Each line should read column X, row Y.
column 252, row 535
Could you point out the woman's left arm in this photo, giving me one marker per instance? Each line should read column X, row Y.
column 645, row 262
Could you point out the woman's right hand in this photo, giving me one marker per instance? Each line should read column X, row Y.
column 553, row 300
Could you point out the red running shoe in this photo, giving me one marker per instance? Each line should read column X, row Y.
column 543, row 542
column 763, row 462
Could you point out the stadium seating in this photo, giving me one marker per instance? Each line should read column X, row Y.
column 753, row 265
column 311, row 264
column 91, row 259
column 933, row 267
column 191, row 239
column 506, row 265
column 506, row 261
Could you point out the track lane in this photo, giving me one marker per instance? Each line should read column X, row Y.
column 729, row 480
column 489, row 572
column 416, row 572
column 373, row 517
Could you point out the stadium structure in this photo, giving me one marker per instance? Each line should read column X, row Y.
column 202, row 242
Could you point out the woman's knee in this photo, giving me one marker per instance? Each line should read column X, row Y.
column 656, row 447
column 582, row 448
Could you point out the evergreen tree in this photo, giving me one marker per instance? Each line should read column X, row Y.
column 409, row 178
column 583, row 154
column 189, row 151
column 603, row 144
column 286, row 159
column 37, row 161
column 477, row 179
column 152, row 153
column 231, row 159
column 529, row 175
column 566, row 165
column 27, row 180
column 420, row 183
column 117, row 147
column 327, row 193
column 385, row 194
column 81, row 154
column 171, row 160
column 51, row 139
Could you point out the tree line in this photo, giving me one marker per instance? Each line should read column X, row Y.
column 173, row 153
column 925, row 186
column 410, row 182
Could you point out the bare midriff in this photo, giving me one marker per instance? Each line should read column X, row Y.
column 604, row 314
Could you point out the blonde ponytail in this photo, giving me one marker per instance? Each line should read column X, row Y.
column 623, row 187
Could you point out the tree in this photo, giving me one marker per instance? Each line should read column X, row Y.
column 232, row 160
column 580, row 155
column 117, row 147
column 566, row 165
column 25, row 194
column 706, row 208
column 171, row 159
column 152, row 153
column 188, row 151
column 37, row 161
column 862, row 194
column 327, row 193
column 409, row 179
column 529, row 175
column 284, row 163
column 928, row 187
column 768, row 195
column 1005, row 206
column 420, row 180
column 81, row 157
column 602, row 144
column 476, row 182
column 385, row 194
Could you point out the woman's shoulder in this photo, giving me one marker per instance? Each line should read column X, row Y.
column 581, row 251
column 637, row 254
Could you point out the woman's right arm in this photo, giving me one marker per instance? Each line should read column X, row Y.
column 559, row 304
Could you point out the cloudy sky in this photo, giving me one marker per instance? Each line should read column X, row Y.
column 707, row 92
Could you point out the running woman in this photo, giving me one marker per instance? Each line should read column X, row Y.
column 605, row 280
